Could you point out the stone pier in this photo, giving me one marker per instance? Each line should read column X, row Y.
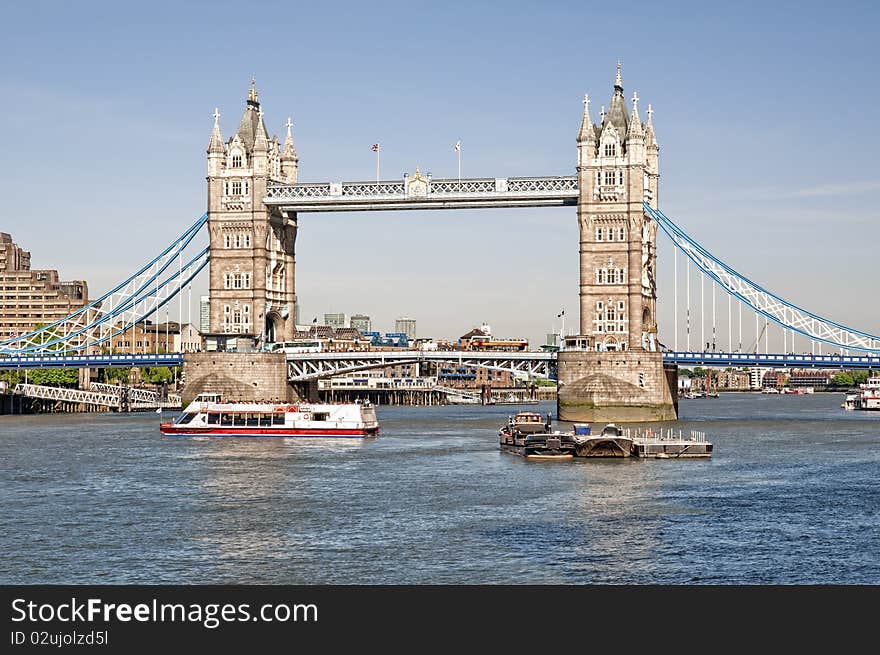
column 616, row 387
column 237, row 376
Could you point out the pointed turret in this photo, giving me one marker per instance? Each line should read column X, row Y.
column 650, row 139
column 587, row 131
column 216, row 151
column 289, row 159
column 261, row 138
column 635, row 124
column 586, row 139
column 251, row 120
column 617, row 114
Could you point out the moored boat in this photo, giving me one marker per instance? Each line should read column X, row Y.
column 208, row 416
column 528, row 434
column 611, row 442
column 866, row 397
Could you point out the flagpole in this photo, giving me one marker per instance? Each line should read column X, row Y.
column 377, row 164
column 459, row 162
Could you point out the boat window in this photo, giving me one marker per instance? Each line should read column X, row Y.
column 226, row 419
column 253, row 420
column 213, row 419
column 265, row 420
column 186, row 418
column 278, row 419
column 320, row 416
column 238, row 419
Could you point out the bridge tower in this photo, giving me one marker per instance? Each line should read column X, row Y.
column 613, row 370
column 252, row 293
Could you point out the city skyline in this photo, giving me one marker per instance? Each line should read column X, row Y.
column 766, row 147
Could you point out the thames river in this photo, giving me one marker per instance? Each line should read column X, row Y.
column 791, row 496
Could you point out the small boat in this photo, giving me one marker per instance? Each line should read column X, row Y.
column 208, row 416
column 528, row 434
column 513, row 399
column 866, row 397
column 611, row 442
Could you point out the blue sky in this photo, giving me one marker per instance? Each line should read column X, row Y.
column 765, row 114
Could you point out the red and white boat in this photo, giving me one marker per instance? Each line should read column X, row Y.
column 207, row 416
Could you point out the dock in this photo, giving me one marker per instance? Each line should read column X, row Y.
column 653, row 444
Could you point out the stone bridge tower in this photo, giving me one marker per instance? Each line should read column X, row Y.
column 252, row 250
column 613, row 370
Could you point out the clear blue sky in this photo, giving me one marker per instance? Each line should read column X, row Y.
column 765, row 114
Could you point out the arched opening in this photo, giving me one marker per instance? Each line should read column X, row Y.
column 269, row 330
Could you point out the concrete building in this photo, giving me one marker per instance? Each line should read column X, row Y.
column 613, row 369
column 252, row 252
column 204, row 313
column 28, row 297
column 361, row 323
column 407, row 326
column 335, row 321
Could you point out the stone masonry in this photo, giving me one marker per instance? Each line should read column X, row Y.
column 252, row 249
column 613, row 370
column 258, row 377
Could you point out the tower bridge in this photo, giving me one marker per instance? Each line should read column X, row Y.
column 614, row 368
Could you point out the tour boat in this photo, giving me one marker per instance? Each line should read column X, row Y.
column 528, row 434
column 207, row 416
column 867, row 398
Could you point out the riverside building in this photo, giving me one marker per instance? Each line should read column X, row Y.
column 29, row 298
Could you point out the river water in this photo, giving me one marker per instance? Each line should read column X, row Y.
column 790, row 497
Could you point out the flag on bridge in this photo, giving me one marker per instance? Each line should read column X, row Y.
column 457, row 146
column 375, row 147
column 561, row 314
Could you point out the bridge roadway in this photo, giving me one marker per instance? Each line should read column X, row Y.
column 312, row 366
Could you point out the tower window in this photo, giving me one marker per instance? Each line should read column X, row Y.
column 236, row 188
column 621, row 234
column 236, row 161
column 600, row 233
column 610, row 149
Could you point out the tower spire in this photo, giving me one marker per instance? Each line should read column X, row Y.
column 586, row 132
column 635, row 121
column 289, row 159
column 216, row 143
column 253, row 98
column 618, row 81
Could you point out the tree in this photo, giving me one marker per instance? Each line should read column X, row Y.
column 112, row 375
column 843, row 379
column 54, row 376
column 157, row 374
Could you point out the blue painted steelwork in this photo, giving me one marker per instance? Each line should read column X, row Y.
column 680, row 358
column 106, row 313
column 780, row 311
column 92, row 361
column 773, row 360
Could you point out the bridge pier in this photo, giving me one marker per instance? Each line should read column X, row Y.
column 619, row 387
column 245, row 376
